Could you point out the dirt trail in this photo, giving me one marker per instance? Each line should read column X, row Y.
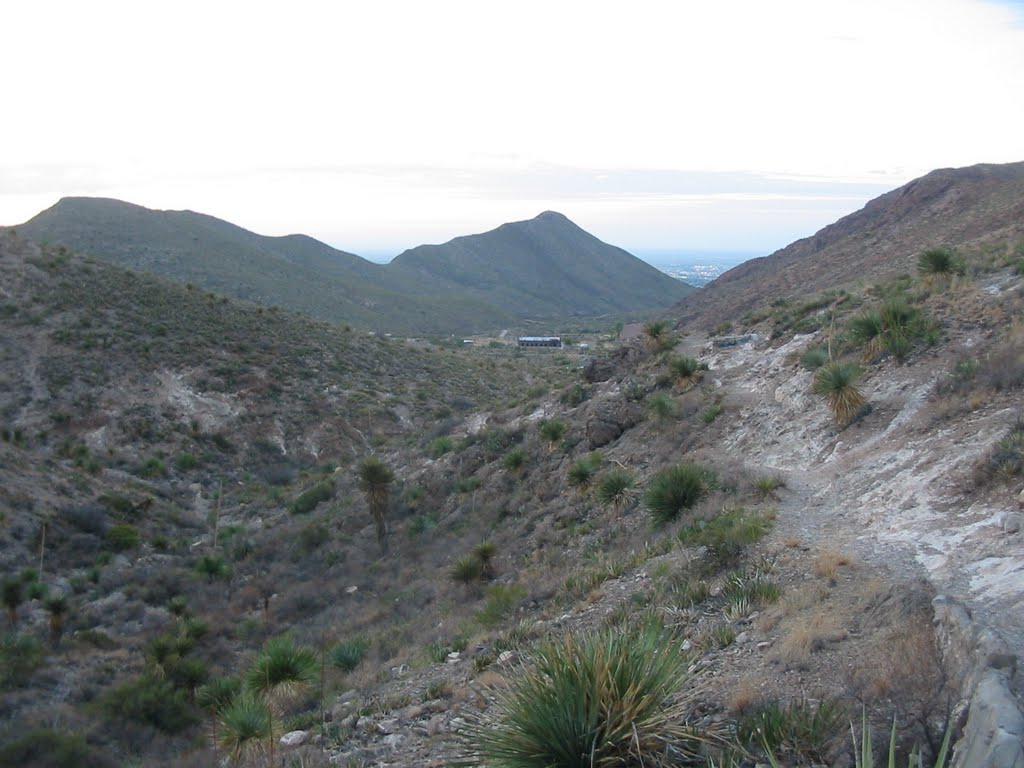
column 890, row 489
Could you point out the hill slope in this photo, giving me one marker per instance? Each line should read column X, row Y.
column 546, row 268
column 966, row 208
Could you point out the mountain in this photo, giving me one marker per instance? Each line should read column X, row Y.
column 182, row 481
column 964, row 208
column 540, row 265
column 546, row 268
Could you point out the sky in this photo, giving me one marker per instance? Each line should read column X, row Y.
column 378, row 126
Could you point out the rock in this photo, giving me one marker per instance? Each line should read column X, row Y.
column 294, row 738
column 393, row 740
column 506, row 657
column 743, row 637
column 1011, row 522
column 436, row 725
column 453, row 657
column 351, row 590
column 1020, row 500
column 364, row 723
column 687, row 645
column 387, row 726
column 413, row 712
column 610, row 420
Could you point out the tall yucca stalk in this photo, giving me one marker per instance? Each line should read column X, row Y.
column 836, row 382
column 611, row 699
column 375, row 478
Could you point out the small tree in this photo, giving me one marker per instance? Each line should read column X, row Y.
column 375, row 478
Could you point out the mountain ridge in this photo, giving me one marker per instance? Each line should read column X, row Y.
column 545, row 268
column 955, row 207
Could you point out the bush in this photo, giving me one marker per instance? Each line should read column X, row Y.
column 609, row 699
column 308, row 500
column 439, row 446
column 661, row 406
column 617, row 489
column 582, row 472
column 676, row 490
column 123, row 536
column 552, row 430
column 500, row 600
column 800, row 729
column 349, row 654
column 467, row 569
column 712, row 413
column 514, row 460
column 151, row 702
column 686, row 371
column 940, row 261
column 20, row 656
column 814, row 358
column 47, row 748
column 575, row 395
column 836, row 383
column 726, row 534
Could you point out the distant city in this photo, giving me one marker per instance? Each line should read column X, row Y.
column 696, row 268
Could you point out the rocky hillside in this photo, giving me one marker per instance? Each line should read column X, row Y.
column 978, row 209
column 547, row 269
column 187, row 479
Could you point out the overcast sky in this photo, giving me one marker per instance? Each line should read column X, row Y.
column 377, row 126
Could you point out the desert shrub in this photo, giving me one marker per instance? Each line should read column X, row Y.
column 836, row 383
column 940, row 261
column 213, row 567
column 150, row 701
column 1005, row 461
column 661, row 406
column 726, row 534
column 468, row 484
column 308, row 500
column 312, row 536
column 582, row 472
column 514, row 460
column 801, row 729
column 676, row 490
column 349, row 654
column 88, row 518
column 765, row 486
column 814, row 358
column 617, row 489
column 123, row 536
column 20, row 656
column 500, row 600
column 467, row 569
column 575, row 395
column 608, row 699
column 47, row 748
column 746, row 592
column 439, row 446
column 422, row 523
column 552, row 430
column 686, row 371
column 712, row 412
column 186, row 461
column 153, row 467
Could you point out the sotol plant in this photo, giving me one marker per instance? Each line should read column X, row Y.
column 676, row 490
column 836, row 383
column 609, row 699
column 375, row 478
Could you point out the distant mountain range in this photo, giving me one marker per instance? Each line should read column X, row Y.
column 979, row 208
column 543, row 269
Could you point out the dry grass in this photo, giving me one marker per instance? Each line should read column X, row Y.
column 828, row 562
column 808, row 636
column 793, row 542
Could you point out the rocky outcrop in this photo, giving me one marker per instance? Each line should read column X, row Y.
column 992, row 734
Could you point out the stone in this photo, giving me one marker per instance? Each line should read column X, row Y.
column 393, row 740
column 453, row 657
column 743, row 637
column 506, row 657
column 351, row 590
column 1011, row 522
column 294, row 738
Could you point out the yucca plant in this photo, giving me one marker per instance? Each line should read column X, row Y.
column 676, row 490
column 348, row 654
column 836, row 383
column 581, row 474
column 686, row 371
column 866, row 330
column 216, row 697
column 657, row 332
column 864, row 757
column 814, row 358
column 246, row 728
column 375, row 478
column 467, row 569
column 282, row 670
column 57, row 607
column 661, row 406
column 608, row 699
column 940, row 261
column 617, row 490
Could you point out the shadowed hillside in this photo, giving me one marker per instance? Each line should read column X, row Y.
column 973, row 208
column 546, row 269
